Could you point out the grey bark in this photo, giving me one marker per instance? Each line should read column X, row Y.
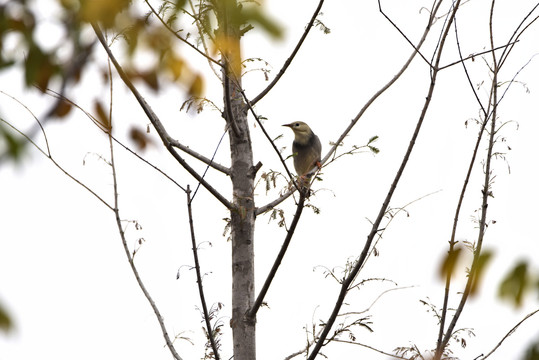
column 242, row 215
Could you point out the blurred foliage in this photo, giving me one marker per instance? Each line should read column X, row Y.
column 5, row 321
column 517, row 283
column 10, row 144
column 533, row 352
column 448, row 264
column 154, row 28
column 481, row 264
column 451, row 259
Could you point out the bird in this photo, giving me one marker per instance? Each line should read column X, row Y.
column 306, row 148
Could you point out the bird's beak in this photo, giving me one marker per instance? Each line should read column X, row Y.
column 287, row 125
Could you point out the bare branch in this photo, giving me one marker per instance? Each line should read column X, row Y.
column 260, row 298
column 383, row 89
column 211, row 336
column 131, row 260
column 482, row 222
column 371, row 347
column 351, row 276
column 175, row 33
column 472, row 56
column 200, row 157
column 290, row 58
column 516, row 34
column 452, row 242
column 49, row 156
column 269, row 139
column 274, row 203
column 416, row 48
column 510, row 333
column 165, row 137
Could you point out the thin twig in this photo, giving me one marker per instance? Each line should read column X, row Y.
column 511, row 332
column 205, row 160
column 353, row 273
column 482, row 222
column 274, row 203
column 382, row 89
column 452, row 242
column 199, row 277
column 370, row 347
column 175, row 33
column 49, row 156
column 416, row 48
column 260, row 298
column 516, row 34
column 400, row 209
column 69, row 71
column 131, row 151
column 156, row 122
column 131, row 260
column 291, row 57
column 257, row 119
column 472, row 56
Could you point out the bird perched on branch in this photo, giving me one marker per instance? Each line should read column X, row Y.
column 306, row 148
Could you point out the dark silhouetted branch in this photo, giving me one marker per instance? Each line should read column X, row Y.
column 211, row 336
column 347, row 282
column 289, row 60
column 156, row 122
column 260, row 298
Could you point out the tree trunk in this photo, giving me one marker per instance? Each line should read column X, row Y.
column 242, row 217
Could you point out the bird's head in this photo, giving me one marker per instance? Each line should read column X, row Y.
column 302, row 131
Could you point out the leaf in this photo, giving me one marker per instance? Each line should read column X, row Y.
column 482, row 262
column 448, row 264
column 515, row 284
column 38, row 68
column 14, row 145
column 62, row 109
column 103, row 11
column 197, row 86
column 102, row 117
column 175, row 65
column 254, row 15
column 150, row 78
column 5, row 321
column 140, row 138
column 533, row 351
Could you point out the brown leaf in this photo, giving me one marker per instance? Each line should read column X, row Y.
column 140, row 138
column 197, row 86
column 62, row 109
column 102, row 116
column 448, row 265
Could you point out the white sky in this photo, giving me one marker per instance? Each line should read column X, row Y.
column 66, row 281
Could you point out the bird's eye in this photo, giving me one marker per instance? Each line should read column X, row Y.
column 296, row 124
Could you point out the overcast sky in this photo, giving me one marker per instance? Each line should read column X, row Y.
column 66, row 281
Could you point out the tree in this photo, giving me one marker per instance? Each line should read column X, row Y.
column 222, row 27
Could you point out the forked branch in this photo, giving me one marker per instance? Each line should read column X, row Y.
column 385, row 87
column 131, row 260
column 156, row 122
column 260, row 298
column 361, row 259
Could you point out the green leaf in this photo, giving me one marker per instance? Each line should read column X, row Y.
column 515, row 284
column 533, row 351
column 5, row 321
column 254, row 15
column 12, row 145
column 482, row 262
